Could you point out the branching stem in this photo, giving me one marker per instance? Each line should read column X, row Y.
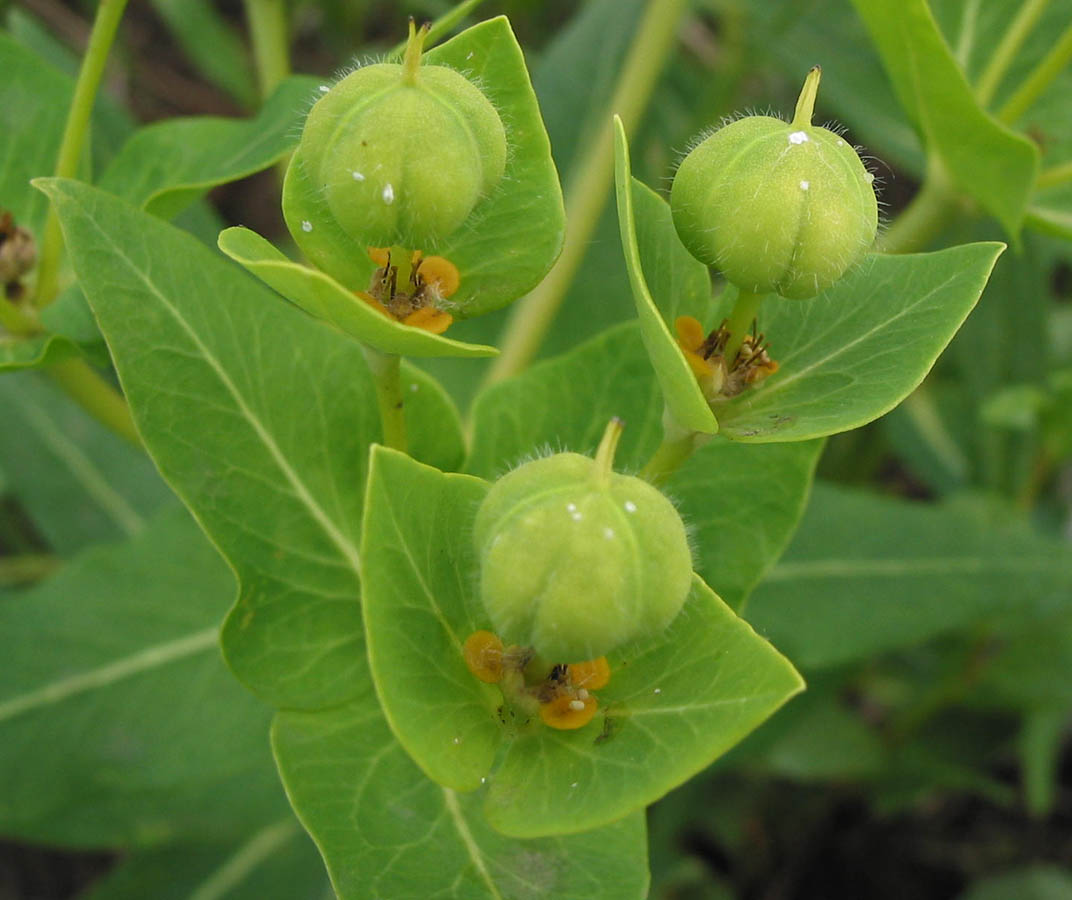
column 1005, row 52
column 1040, row 78
column 109, row 12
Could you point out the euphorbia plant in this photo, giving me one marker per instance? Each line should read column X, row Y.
column 490, row 646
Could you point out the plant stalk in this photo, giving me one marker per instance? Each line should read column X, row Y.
column 96, row 396
column 270, row 35
column 934, row 207
column 1055, row 175
column 677, row 446
column 743, row 315
column 26, row 569
column 105, row 25
column 1040, row 78
column 1005, row 52
column 589, row 183
column 386, row 373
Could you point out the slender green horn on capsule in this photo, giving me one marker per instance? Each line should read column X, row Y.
column 577, row 559
column 777, row 207
column 400, row 153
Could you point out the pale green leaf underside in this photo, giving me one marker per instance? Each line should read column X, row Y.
column 867, row 574
column 984, row 158
column 324, row 298
column 673, row 705
column 741, row 503
column 387, row 831
column 854, row 352
column 509, row 241
column 164, row 167
column 684, row 399
column 129, row 730
column 259, row 417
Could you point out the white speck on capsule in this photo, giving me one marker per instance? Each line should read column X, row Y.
column 608, row 533
column 804, row 185
column 576, row 705
column 798, row 137
column 306, row 226
column 571, row 507
column 630, row 506
column 414, row 387
column 388, row 194
column 576, row 516
column 657, row 691
column 358, row 176
column 324, row 89
column 870, row 177
column 841, row 143
column 457, row 740
column 574, row 784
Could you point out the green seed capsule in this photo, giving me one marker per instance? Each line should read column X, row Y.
column 576, row 559
column 777, row 207
column 401, row 153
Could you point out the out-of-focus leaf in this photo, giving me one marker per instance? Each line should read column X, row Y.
column 119, row 723
column 1038, row 882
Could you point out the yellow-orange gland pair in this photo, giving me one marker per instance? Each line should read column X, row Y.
column 717, row 375
column 431, row 279
column 565, row 697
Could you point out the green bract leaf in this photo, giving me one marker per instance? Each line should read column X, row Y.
column 386, row 831
column 740, row 503
column 324, row 298
column 678, row 275
column 867, row 574
column 858, row 349
column 129, row 729
column 512, row 236
column 984, row 158
column 259, row 419
column 166, row 166
column 79, row 482
column 675, row 702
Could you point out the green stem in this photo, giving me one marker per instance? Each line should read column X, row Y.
column 934, row 207
column 1040, row 78
column 270, row 34
column 590, row 180
column 608, row 446
column 744, row 314
column 26, row 569
column 386, row 373
column 1055, row 175
column 14, row 320
column 109, row 12
column 96, row 396
column 677, row 446
column 1015, row 35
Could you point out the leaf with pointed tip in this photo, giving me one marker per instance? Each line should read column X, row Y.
column 324, row 298
column 164, row 167
column 984, row 158
column 259, row 418
column 680, row 275
column 854, row 352
column 741, row 503
column 129, row 729
column 675, row 701
column 512, row 237
column 387, row 831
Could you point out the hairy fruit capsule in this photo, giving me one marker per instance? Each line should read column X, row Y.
column 576, row 559
column 401, row 153
column 777, row 207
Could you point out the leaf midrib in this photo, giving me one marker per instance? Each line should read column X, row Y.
column 334, row 534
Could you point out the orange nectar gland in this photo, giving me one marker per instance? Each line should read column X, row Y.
column 590, row 675
column 568, row 711
column 690, row 338
column 431, row 279
column 483, row 653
